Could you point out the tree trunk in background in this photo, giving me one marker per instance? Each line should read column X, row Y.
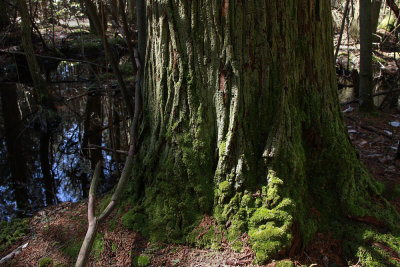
column 48, row 179
column 366, row 101
column 15, row 156
column 375, row 11
column 355, row 17
column 131, row 11
column 48, row 111
column 92, row 135
column 242, row 122
column 38, row 81
column 4, row 16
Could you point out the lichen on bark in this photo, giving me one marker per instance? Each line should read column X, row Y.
column 242, row 122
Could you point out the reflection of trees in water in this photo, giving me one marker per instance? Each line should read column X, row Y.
column 84, row 118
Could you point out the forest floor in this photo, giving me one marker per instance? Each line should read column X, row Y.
column 56, row 232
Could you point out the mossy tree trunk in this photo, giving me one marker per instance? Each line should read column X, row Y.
column 241, row 121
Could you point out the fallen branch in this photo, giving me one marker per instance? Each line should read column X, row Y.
column 354, row 100
column 13, row 253
column 368, row 128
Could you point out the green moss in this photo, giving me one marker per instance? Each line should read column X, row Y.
column 126, row 68
column 104, row 202
column 112, row 224
column 141, row 260
column 396, row 193
column 224, row 191
column 388, row 23
column 367, row 243
column 11, row 232
column 284, row 263
column 72, row 249
column 376, row 59
column 181, row 192
column 114, row 248
column 45, row 262
column 97, row 248
column 268, row 217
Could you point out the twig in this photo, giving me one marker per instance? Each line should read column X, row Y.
column 84, row 94
column 108, row 149
column 368, row 128
column 50, row 57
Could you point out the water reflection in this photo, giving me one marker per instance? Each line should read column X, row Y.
column 85, row 113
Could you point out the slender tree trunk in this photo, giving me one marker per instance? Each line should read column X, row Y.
column 114, row 63
column 13, row 138
column 48, row 179
column 242, row 122
column 38, row 81
column 92, row 135
column 366, row 101
column 375, row 11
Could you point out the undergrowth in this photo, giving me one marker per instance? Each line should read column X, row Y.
column 11, row 232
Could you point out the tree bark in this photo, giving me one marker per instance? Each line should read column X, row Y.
column 242, row 122
column 15, row 156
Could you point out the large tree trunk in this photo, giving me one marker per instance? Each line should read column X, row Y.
column 13, row 137
column 242, row 122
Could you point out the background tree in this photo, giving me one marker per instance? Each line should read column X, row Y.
column 4, row 16
column 242, row 122
column 375, row 12
column 366, row 101
column 13, row 138
column 47, row 114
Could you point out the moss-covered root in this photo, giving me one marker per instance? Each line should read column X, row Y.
column 265, row 215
